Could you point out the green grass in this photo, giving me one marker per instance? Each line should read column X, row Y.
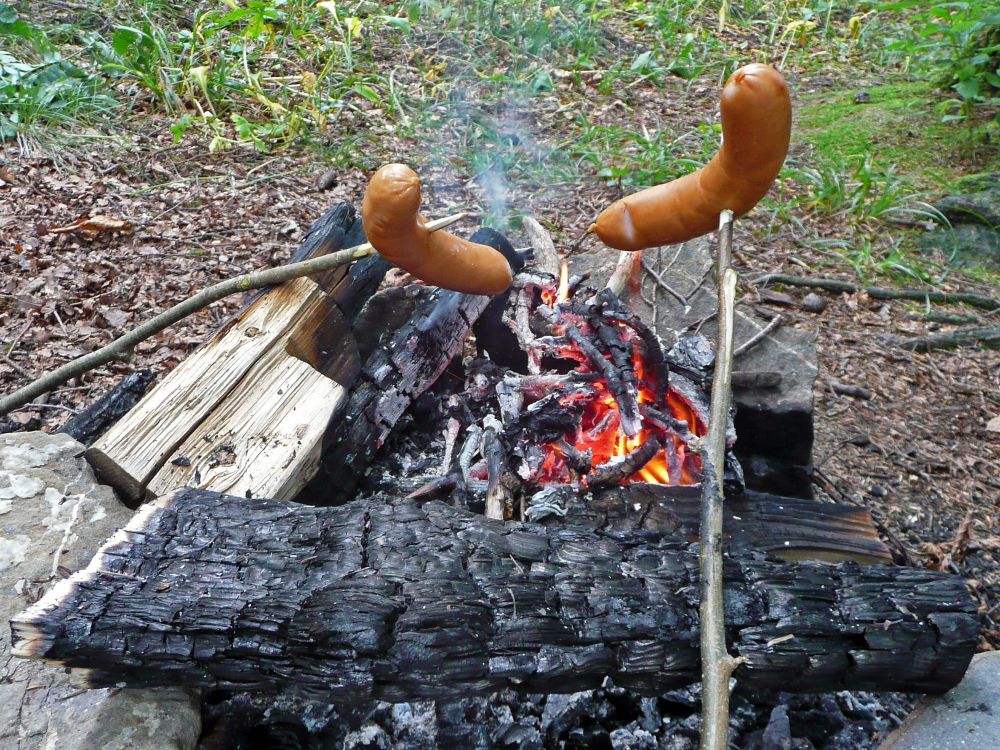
column 900, row 125
column 474, row 85
column 38, row 87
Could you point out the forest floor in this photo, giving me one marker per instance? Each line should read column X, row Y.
column 559, row 141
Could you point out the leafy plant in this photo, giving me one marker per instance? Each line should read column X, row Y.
column 862, row 192
column 38, row 85
column 960, row 42
column 145, row 54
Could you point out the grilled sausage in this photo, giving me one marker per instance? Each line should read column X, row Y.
column 396, row 229
column 756, row 126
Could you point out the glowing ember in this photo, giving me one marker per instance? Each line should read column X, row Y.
column 600, row 432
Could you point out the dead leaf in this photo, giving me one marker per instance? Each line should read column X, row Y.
column 115, row 318
column 994, row 424
column 94, row 225
column 777, row 298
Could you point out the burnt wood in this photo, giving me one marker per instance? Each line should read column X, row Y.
column 786, row 528
column 398, row 372
column 89, row 424
column 389, row 600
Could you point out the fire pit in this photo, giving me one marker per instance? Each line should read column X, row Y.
column 518, row 518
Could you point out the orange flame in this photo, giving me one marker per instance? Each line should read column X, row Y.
column 600, row 433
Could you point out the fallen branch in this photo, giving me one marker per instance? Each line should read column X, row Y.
column 716, row 663
column 918, row 295
column 989, row 338
column 121, row 347
column 546, row 257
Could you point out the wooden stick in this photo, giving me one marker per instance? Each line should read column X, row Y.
column 627, row 264
column 121, row 347
column 546, row 257
column 716, row 664
column 917, row 295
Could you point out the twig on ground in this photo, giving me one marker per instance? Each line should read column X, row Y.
column 987, row 337
column 658, row 280
column 122, row 346
column 917, row 295
column 59, row 407
column 751, row 342
column 716, row 663
column 854, row 391
column 16, row 366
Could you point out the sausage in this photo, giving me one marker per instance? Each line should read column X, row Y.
column 756, row 126
column 395, row 228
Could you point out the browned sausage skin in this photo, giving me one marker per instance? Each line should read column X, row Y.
column 394, row 227
column 756, row 127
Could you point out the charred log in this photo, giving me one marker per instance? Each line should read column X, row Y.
column 619, row 469
column 393, row 377
column 549, row 418
column 615, row 310
column 499, row 494
column 492, row 335
column 392, row 601
column 628, row 406
column 96, row 419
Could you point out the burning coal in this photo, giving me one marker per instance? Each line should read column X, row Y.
column 593, row 404
column 632, row 426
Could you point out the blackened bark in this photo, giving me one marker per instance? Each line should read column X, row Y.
column 96, row 419
column 387, row 600
column 789, row 529
column 392, row 378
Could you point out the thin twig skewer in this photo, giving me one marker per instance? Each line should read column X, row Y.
column 716, row 664
column 121, row 347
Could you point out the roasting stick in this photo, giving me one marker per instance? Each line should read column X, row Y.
column 121, row 347
column 717, row 664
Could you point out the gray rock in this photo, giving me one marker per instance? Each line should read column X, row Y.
column 774, row 426
column 967, row 717
column 814, row 303
column 964, row 245
column 53, row 517
column 982, row 207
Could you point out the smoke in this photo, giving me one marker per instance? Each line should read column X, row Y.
column 494, row 146
column 495, row 195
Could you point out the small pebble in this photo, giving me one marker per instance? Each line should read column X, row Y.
column 327, row 180
column 815, row 303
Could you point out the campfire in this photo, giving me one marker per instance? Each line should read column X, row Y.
column 597, row 406
column 577, row 422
